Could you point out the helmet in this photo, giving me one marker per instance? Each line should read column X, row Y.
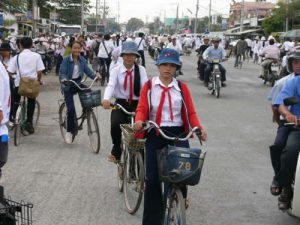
column 257, row 38
column 263, row 38
column 206, row 37
column 216, row 38
column 294, row 54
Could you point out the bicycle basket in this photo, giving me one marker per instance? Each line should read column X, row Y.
column 15, row 213
column 90, row 99
column 180, row 165
column 129, row 140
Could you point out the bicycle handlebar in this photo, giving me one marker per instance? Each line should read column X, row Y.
column 117, row 105
column 82, row 89
column 195, row 130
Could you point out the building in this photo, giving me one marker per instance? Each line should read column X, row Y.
column 258, row 10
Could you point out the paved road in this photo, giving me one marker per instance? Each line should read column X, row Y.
column 69, row 185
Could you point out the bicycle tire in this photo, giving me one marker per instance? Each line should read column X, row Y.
column 36, row 114
column 103, row 74
column 175, row 211
column 18, row 126
column 133, row 182
column 120, row 168
column 63, row 120
column 93, row 128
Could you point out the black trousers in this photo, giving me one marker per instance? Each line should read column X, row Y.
column 288, row 160
column 119, row 117
column 278, row 146
column 58, row 63
column 16, row 101
column 3, row 152
column 106, row 61
column 141, row 52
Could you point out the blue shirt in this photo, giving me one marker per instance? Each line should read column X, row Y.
column 213, row 53
column 291, row 89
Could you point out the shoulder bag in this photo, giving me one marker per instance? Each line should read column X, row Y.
column 28, row 87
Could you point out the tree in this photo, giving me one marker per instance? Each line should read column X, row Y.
column 134, row 24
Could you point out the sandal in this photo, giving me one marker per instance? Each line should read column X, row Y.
column 275, row 189
column 112, row 158
column 284, row 200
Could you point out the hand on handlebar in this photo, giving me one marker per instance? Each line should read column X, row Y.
column 203, row 135
column 65, row 81
column 138, row 125
column 292, row 119
column 106, row 104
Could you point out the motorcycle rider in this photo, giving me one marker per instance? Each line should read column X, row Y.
column 289, row 154
column 271, row 54
column 201, row 64
column 154, row 44
column 174, row 44
column 240, row 50
column 214, row 52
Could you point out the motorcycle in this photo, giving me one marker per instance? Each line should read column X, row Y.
column 271, row 73
column 295, row 202
column 215, row 76
column 156, row 53
column 188, row 50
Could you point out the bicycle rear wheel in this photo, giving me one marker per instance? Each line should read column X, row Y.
column 93, row 131
column 133, row 181
column 63, row 120
column 18, row 126
column 36, row 115
column 120, row 167
column 175, row 210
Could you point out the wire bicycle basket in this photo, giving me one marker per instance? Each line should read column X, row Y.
column 15, row 213
column 129, row 139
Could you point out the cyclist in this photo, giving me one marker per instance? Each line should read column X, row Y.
column 105, row 50
column 124, row 84
column 25, row 64
column 73, row 67
column 168, row 103
column 174, row 44
column 4, row 114
column 141, row 43
column 214, row 52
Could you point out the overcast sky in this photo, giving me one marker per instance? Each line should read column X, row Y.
column 144, row 9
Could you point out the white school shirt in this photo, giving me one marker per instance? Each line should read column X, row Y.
column 115, row 86
column 140, row 43
column 5, row 99
column 29, row 64
column 176, row 99
column 177, row 47
column 109, row 47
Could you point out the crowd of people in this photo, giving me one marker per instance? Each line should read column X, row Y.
column 162, row 98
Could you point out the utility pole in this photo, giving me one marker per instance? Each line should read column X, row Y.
column 286, row 16
column 82, row 16
column 176, row 24
column 97, row 16
column 209, row 17
column 242, row 16
column 196, row 17
column 34, row 17
column 118, row 18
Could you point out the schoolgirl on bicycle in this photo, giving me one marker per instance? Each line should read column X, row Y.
column 125, row 83
column 73, row 67
column 169, row 103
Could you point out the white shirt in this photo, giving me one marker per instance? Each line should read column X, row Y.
column 4, row 99
column 176, row 47
column 287, row 46
column 29, row 65
column 140, row 43
column 176, row 99
column 115, row 86
column 249, row 42
column 109, row 47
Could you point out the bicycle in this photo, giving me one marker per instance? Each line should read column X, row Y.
column 88, row 101
column 131, row 166
column 103, row 70
column 177, row 167
column 20, row 119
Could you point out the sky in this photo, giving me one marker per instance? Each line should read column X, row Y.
column 149, row 9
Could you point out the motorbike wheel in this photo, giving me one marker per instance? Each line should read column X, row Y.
column 217, row 87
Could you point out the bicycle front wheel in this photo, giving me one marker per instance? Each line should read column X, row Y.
column 36, row 115
column 19, row 120
column 175, row 211
column 133, row 181
column 93, row 131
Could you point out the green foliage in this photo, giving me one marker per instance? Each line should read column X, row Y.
column 134, row 24
column 8, row 23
